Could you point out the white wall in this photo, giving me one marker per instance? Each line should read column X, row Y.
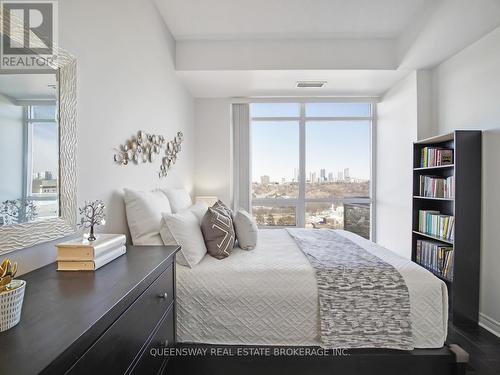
column 396, row 130
column 11, row 144
column 126, row 82
column 466, row 95
column 213, row 135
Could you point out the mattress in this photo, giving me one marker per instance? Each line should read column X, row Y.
column 269, row 296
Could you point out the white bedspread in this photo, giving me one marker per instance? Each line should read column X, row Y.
column 268, row 296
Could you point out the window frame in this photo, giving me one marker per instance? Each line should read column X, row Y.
column 300, row 203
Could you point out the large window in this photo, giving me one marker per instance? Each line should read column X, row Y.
column 311, row 165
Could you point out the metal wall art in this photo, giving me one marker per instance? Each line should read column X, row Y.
column 146, row 148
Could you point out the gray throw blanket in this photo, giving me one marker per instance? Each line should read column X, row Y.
column 364, row 301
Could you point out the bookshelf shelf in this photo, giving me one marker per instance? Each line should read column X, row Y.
column 433, row 237
column 433, row 198
column 436, row 167
column 465, row 207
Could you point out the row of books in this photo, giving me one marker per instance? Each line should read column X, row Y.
column 435, row 156
column 83, row 255
column 437, row 225
column 436, row 257
column 437, row 187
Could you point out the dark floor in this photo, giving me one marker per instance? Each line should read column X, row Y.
column 482, row 346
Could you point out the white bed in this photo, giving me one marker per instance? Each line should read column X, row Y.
column 268, row 296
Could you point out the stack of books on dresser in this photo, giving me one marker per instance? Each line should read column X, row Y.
column 84, row 255
column 436, row 257
column 435, row 157
column 437, row 225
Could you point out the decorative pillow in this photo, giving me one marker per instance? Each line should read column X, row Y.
column 219, row 205
column 199, row 209
column 218, row 232
column 183, row 229
column 246, row 230
column 144, row 209
column 179, row 199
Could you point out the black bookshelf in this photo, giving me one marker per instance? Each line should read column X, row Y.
column 465, row 206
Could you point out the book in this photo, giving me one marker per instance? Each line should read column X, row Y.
column 448, row 265
column 436, row 257
column 435, row 224
column 85, row 250
column 435, row 156
column 437, row 187
column 91, row 265
column 423, row 220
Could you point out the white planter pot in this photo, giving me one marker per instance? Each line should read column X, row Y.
column 11, row 303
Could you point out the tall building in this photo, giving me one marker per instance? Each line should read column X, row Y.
column 295, row 175
column 48, row 175
column 346, row 174
column 340, row 176
column 265, row 180
column 330, row 177
column 313, row 177
column 322, row 175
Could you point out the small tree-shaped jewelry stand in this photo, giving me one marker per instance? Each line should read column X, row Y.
column 92, row 214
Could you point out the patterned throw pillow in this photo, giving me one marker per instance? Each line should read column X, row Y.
column 218, row 231
column 219, row 205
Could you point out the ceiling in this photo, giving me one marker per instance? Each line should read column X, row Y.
column 263, row 83
column 243, row 19
column 28, row 86
column 227, row 48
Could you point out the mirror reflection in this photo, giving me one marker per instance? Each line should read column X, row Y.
column 29, row 140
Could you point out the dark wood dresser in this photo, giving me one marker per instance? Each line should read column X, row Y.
column 96, row 322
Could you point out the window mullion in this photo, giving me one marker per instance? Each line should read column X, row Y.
column 301, row 206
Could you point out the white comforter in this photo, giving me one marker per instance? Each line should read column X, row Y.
column 268, row 296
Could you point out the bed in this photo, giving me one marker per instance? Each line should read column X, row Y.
column 269, row 296
column 272, row 298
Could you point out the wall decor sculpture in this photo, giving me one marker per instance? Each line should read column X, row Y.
column 146, row 148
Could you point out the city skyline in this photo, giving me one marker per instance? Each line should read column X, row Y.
column 44, row 175
column 323, row 176
column 329, row 145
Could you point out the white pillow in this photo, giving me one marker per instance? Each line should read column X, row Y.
column 199, row 209
column 179, row 199
column 144, row 209
column 183, row 229
column 246, row 230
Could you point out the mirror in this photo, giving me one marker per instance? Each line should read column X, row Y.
column 38, row 120
column 29, row 140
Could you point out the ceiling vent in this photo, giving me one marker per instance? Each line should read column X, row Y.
column 311, row 84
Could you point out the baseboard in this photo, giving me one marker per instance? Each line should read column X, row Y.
column 489, row 324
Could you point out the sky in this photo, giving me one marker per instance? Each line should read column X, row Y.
column 45, row 147
column 331, row 145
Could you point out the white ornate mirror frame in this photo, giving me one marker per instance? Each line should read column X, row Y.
column 19, row 236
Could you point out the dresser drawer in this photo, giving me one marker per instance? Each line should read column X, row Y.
column 116, row 349
column 164, row 336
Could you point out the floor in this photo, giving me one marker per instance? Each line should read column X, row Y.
column 482, row 346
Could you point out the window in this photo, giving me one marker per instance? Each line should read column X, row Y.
column 311, row 165
column 42, row 168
